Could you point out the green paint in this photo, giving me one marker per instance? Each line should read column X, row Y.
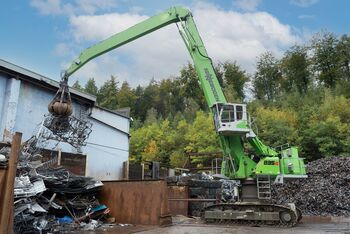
column 268, row 166
column 242, row 124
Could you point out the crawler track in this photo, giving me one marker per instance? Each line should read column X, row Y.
column 254, row 214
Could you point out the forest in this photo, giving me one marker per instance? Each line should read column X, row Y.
column 301, row 97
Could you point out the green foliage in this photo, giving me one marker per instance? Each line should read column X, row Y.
column 266, row 82
column 126, row 96
column 177, row 159
column 327, row 131
column 201, row 135
column 276, row 127
column 190, row 87
column 90, row 87
column 77, row 85
column 295, row 68
column 168, row 143
column 107, row 94
column 327, row 59
column 234, row 79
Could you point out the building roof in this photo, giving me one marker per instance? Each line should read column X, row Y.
column 30, row 76
column 21, row 73
column 116, row 112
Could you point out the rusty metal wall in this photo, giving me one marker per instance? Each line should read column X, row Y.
column 7, row 179
column 137, row 202
column 178, row 207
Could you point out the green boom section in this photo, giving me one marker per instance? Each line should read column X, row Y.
column 236, row 164
column 193, row 41
column 261, row 149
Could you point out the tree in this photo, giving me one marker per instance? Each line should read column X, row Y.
column 326, row 132
column 190, row 85
column 343, row 49
column 77, row 86
column 137, row 111
column 149, row 98
column 295, row 68
column 276, row 127
column 126, row 96
column 163, row 100
column 235, row 78
column 90, row 87
column 266, row 82
column 107, row 95
column 326, row 59
column 151, row 116
column 201, row 135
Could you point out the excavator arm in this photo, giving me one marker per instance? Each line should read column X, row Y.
column 60, row 106
column 189, row 34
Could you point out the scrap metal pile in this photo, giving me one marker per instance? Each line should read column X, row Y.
column 4, row 157
column 71, row 130
column 326, row 191
column 51, row 199
column 200, row 186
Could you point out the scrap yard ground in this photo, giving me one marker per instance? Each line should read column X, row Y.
column 208, row 229
column 193, row 226
column 314, row 225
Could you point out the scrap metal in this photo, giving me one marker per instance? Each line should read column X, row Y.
column 51, row 199
column 4, row 156
column 326, row 192
column 71, row 130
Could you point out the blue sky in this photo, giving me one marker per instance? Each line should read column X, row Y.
column 46, row 35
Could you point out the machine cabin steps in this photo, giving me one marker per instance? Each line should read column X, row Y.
column 263, row 183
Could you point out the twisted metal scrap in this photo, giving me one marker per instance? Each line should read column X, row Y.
column 325, row 192
column 70, row 129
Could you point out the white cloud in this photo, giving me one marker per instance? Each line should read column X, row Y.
column 228, row 35
column 99, row 27
column 62, row 49
column 246, row 5
column 58, row 7
column 47, row 7
column 303, row 3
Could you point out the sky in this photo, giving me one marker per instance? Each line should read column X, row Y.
column 45, row 36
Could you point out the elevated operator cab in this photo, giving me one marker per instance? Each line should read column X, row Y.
column 230, row 118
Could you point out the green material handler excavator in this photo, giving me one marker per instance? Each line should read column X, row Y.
column 248, row 177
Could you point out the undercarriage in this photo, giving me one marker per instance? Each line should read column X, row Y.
column 251, row 213
column 252, row 207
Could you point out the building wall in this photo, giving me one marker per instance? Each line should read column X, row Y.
column 108, row 149
column 2, row 94
column 23, row 106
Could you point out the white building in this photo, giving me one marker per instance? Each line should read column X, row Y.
column 24, row 96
